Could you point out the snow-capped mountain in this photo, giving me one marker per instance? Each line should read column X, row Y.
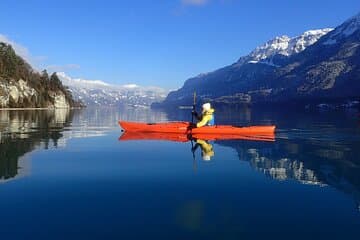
column 317, row 65
column 244, row 73
column 96, row 92
column 283, row 45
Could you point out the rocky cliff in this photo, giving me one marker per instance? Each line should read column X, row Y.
column 23, row 87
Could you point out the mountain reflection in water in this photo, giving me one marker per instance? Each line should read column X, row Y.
column 310, row 148
column 22, row 131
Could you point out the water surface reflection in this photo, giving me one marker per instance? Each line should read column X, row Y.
column 24, row 131
column 307, row 180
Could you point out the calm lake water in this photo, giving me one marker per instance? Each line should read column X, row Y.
column 66, row 175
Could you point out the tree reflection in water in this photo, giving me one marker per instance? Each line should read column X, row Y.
column 23, row 131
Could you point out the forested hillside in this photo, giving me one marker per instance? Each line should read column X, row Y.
column 23, row 87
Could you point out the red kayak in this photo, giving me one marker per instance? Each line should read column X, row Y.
column 186, row 128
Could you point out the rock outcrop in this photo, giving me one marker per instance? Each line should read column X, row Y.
column 20, row 94
column 23, row 87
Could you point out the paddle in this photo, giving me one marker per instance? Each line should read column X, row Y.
column 193, row 108
column 192, row 142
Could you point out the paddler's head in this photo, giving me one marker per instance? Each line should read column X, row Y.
column 206, row 107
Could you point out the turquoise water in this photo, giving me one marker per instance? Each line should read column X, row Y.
column 66, row 175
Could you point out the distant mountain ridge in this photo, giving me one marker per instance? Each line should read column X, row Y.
column 317, row 64
column 99, row 93
column 283, row 45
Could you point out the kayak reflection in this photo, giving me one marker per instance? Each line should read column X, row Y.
column 201, row 140
column 180, row 137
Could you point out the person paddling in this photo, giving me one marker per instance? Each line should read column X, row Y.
column 206, row 118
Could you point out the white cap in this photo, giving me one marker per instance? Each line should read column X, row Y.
column 206, row 157
column 206, row 106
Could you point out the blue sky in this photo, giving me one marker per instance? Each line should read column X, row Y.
column 160, row 43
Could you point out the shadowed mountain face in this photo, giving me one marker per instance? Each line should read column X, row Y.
column 23, row 131
column 328, row 68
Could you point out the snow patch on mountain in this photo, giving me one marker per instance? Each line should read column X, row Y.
column 96, row 92
column 283, row 45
